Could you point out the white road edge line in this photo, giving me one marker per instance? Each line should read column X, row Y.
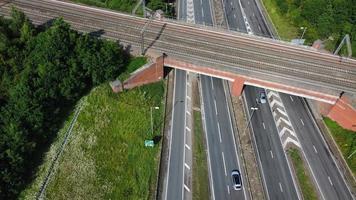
column 185, row 125
column 233, row 136
column 206, row 138
column 170, row 141
column 224, row 163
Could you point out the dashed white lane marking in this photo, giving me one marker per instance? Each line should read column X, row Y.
column 331, row 183
column 248, row 2
column 219, row 133
column 263, row 124
column 187, row 166
column 302, row 122
column 188, row 112
column 216, row 109
column 228, row 189
column 315, row 149
column 234, row 16
column 224, row 163
column 259, row 27
column 187, row 128
column 231, row 2
column 280, row 187
column 212, row 85
column 186, row 187
column 271, row 153
column 291, row 98
column 187, row 146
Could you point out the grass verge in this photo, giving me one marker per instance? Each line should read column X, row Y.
column 304, row 180
column 346, row 141
column 105, row 157
column 284, row 26
column 200, row 170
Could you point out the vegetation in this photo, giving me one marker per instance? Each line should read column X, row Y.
column 346, row 140
column 124, row 5
column 325, row 19
column 200, row 170
column 304, row 180
column 42, row 74
column 106, row 157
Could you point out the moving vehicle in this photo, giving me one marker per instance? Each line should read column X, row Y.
column 236, row 179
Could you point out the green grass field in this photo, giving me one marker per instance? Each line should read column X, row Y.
column 346, row 140
column 304, row 180
column 200, row 170
column 105, row 157
column 285, row 28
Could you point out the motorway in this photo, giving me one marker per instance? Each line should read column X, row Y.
column 219, row 134
column 275, row 172
column 320, row 160
column 255, row 57
column 324, row 171
column 174, row 187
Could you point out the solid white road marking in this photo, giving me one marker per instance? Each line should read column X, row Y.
column 219, row 133
column 315, row 149
column 188, row 128
column 280, row 187
column 228, row 189
column 187, row 146
column 271, row 153
column 331, row 183
column 188, row 112
column 291, row 98
column 224, row 163
column 302, row 122
column 216, row 109
column 264, row 127
column 187, row 166
column 212, row 85
column 280, row 119
column 186, row 187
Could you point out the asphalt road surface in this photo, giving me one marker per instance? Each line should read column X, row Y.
column 328, row 177
column 174, row 185
column 324, row 170
column 220, row 140
column 275, row 170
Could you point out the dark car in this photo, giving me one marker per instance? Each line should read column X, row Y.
column 236, row 179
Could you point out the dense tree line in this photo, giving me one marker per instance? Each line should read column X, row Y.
column 324, row 18
column 43, row 72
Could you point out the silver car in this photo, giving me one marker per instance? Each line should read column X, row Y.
column 236, row 179
column 263, row 97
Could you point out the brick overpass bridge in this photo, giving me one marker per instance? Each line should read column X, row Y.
column 240, row 58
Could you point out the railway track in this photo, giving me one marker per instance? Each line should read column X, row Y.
column 232, row 52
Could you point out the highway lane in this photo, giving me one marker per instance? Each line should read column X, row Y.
column 219, row 133
column 319, row 158
column 277, row 177
column 276, row 173
column 234, row 16
column 220, row 140
column 174, row 184
column 325, row 173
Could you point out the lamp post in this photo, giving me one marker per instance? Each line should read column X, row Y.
column 156, row 108
column 253, row 111
column 304, row 29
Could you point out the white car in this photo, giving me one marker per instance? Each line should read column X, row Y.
column 236, row 179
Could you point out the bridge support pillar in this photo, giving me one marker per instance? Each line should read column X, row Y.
column 237, row 86
column 149, row 73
